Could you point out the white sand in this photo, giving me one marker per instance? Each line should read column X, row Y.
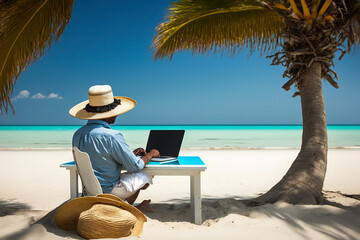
column 32, row 185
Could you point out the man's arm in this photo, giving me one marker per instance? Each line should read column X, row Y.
column 124, row 156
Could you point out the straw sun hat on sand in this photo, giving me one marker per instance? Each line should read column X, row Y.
column 103, row 216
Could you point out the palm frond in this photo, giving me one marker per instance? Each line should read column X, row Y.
column 355, row 22
column 218, row 25
column 27, row 30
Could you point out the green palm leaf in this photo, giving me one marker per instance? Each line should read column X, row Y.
column 27, row 30
column 223, row 25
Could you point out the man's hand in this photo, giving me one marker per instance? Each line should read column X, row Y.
column 139, row 152
column 148, row 156
column 154, row 153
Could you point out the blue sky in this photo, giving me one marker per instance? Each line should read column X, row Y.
column 110, row 43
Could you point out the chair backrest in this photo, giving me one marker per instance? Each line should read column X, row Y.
column 90, row 183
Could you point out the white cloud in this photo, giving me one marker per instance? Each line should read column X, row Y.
column 55, row 95
column 22, row 94
column 38, row 96
column 26, row 94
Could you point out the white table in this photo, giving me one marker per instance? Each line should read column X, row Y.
column 185, row 166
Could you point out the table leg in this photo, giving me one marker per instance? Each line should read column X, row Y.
column 192, row 192
column 73, row 183
column 195, row 195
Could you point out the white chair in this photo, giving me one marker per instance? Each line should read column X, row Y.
column 91, row 185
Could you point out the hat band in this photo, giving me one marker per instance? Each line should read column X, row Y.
column 101, row 109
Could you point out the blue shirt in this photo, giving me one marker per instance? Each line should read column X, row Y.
column 109, row 153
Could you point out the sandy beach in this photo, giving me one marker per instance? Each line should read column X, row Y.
column 32, row 185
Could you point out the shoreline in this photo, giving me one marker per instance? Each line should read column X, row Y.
column 196, row 137
column 184, row 149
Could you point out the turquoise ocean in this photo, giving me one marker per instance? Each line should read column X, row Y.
column 196, row 137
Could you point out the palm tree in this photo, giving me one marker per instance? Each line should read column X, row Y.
column 302, row 35
column 27, row 30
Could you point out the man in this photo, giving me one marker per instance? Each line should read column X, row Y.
column 109, row 153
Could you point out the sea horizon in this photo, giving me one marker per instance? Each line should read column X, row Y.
column 254, row 136
column 245, row 124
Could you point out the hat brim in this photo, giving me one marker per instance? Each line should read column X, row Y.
column 67, row 216
column 79, row 111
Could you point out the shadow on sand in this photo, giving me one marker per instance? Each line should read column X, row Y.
column 296, row 217
column 10, row 207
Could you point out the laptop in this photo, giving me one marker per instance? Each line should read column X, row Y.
column 167, row 142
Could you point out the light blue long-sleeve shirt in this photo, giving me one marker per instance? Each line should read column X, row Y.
column 109, row 153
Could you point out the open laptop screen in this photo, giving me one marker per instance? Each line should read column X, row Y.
column 167, row 142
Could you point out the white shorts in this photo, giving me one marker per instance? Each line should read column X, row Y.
column 130, row 183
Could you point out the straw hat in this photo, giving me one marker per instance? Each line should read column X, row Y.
column 103, row 216
column 102, row 104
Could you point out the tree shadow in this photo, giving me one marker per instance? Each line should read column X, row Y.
column 41, row 226
column 333, row 219
column 179, row 210
column 339, row 222
column 342, row 222
column 10, row 207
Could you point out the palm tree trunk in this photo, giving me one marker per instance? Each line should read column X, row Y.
column 303, row 182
